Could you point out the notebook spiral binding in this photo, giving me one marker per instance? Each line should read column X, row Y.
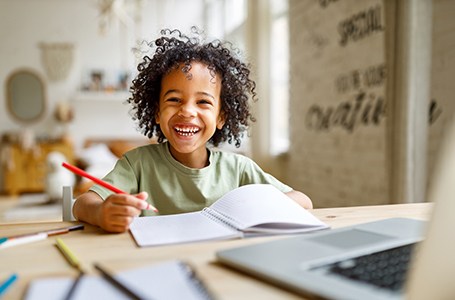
column 219, row 217
column 196, row 281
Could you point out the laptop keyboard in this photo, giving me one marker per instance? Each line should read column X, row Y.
column 385, row 269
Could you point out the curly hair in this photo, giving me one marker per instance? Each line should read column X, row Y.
column 174, row 49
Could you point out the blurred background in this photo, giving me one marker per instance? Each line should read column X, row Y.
column 354, row 96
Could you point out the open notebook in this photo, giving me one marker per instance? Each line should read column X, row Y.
column 255, row 209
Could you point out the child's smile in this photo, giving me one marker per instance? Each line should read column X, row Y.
column 186, row 131
column 189, row 112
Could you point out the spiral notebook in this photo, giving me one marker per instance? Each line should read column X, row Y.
column 256, row 209
column 167, row 280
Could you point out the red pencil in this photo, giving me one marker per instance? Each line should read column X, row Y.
column 82, row 173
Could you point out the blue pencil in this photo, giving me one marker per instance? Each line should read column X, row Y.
column 7, row 283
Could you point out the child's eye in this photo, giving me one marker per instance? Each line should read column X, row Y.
column 172, row 100
column 203, row 101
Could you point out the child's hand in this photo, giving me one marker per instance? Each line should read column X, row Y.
column 118, row 210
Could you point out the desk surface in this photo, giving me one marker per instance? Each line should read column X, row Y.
column 119, row 252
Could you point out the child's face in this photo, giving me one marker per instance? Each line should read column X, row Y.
column 190, row 110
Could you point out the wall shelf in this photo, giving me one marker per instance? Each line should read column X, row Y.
column 102, row 96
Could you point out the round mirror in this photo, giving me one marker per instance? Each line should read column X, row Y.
column 25, row 95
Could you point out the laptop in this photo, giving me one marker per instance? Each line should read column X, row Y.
column 389, row 259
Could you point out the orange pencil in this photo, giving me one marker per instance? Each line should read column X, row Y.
column 82, row 173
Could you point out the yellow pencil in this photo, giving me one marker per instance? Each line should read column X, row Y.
column 72, row 259
column 69, row 255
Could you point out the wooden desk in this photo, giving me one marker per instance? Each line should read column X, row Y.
column 119, row 252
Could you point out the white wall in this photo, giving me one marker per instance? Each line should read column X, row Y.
column 338, row 153
column 26, row 23
column 338, row 167
column 442, row 76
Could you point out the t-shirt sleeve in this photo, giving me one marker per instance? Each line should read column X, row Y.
column 252, row 174
column 121, row 176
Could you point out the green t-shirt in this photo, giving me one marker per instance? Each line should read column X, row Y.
column 174, row 188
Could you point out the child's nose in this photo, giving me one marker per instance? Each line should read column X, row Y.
column 188, row 110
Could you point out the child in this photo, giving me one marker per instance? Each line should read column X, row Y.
column 188, row 94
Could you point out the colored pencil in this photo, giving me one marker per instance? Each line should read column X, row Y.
column 74, row 262
column 105, row 184
column 5, row 285
column 69, row 255
column 20, row 239
column 116, row 282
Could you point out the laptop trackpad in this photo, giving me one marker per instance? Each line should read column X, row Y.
column 350, row 239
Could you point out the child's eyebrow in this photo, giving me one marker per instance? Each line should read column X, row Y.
column 206, row 94
column 171, row 91
column 199, row 93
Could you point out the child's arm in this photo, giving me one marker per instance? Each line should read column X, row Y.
column 300, row 198
column 114, row 214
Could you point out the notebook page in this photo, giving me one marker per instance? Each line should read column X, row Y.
column 178, row 228
column 167, row 280
column 256, row 204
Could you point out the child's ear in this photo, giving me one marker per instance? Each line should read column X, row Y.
column 157, row 118
column 221, row 120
